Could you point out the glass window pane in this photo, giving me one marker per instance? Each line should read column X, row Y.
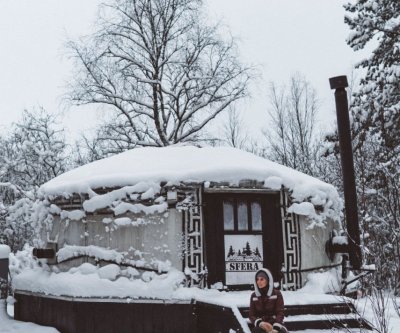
column 228, row 215
column 256, row 216
column 242, row 215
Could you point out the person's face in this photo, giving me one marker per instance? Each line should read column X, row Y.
column 262, row 282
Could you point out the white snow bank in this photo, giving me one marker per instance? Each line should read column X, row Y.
column 102, row 201
column 74, row 215
column 89, row 280
column 100, row 253
column 101, row 283
column 109, row 272
column 322, row 282
column 124, row 207
column 85, row 268
column 142, row 170
column 304, row 208
column 113, row 256
column 4, row 251
column 340, row 240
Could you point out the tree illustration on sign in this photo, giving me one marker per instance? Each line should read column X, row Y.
column 246, row 253
column 247, row 250
column 231, row 252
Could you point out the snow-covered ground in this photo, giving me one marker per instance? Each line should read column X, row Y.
column 364, row 307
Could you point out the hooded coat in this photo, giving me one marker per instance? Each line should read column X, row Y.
column 266, row 305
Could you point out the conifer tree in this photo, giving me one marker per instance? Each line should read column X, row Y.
column 377, row 103
column 231, row 252
column 376, row 133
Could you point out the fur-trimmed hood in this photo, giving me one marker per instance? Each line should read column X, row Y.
column 270, row 282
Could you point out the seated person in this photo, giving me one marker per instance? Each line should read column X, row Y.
column 266, row 305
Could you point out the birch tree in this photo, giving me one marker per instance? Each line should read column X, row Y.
column 290, row 137
column 234, row 131
column 160, row 69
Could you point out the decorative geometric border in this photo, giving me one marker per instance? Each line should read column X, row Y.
column 291, row 246
column 193, row 254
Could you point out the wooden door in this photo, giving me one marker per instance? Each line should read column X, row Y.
column 243, row 233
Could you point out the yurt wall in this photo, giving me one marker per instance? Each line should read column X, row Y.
column 153, row 237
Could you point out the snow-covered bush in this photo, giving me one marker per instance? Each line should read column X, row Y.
column 31, row 154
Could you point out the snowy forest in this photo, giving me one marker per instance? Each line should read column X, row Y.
column 164, row 76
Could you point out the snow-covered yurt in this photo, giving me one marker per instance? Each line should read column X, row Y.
column 149, row 221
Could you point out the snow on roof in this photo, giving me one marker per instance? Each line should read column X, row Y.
column 175, row 164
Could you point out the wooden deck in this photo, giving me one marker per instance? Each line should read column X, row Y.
column 72, row 315
column 89, row 315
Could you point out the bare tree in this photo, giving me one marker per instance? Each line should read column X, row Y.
column 160, row 68
column 234, row 130
column 88, row 149
column 291, row 133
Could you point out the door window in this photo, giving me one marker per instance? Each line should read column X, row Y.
column 242, row 215
column 228, row 215
column 256, row 221
column 243, row 223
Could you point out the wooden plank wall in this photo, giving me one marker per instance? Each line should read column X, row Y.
column 70, row 316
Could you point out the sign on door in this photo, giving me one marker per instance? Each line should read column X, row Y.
column 243, row 258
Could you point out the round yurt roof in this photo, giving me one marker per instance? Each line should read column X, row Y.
column 175, row 164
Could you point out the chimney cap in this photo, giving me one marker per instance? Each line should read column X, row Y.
column 338, row 82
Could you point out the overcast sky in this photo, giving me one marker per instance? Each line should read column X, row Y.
column 280, row 36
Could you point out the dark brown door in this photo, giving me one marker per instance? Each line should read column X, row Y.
column 243, row 233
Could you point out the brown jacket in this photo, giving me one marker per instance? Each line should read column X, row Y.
column 266, row 305
column 266, row 308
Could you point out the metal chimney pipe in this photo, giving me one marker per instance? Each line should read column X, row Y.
column 346, row 154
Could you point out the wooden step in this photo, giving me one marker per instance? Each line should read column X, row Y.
column 319, row 317
column 330, row 308
column 332, row 330
column 306, row 322
column 325, row 321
